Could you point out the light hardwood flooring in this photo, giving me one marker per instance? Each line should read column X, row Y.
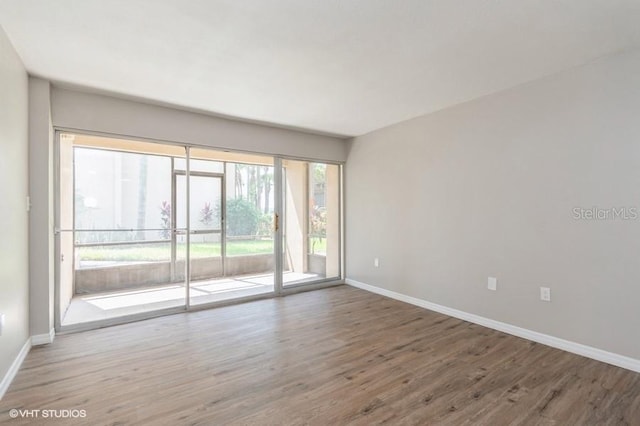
column 327, row 357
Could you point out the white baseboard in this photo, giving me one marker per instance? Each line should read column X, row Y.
column 15, row 366
column 43, row 339
column 566, row 345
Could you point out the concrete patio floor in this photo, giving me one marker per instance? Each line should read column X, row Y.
column 102, row 306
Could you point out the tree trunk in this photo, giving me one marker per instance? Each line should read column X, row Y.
column 142, row 197
column 267, row 190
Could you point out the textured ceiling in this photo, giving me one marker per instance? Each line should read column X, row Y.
column 339, row 66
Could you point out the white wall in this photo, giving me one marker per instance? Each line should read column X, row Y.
column 98, row 113
column 14, row 267
column 487, row 188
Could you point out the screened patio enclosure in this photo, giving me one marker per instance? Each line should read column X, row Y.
column 144, row 227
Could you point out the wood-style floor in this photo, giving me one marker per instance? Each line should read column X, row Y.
column 328, row 357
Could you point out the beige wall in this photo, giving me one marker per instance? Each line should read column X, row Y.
column 14, row 263
column 41, row 219
column 487, row 188
column 99, row 113
column 296, row 203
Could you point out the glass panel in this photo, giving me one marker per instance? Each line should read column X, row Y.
column 317, row 210
column 250, row 210
column 200, row 166
column 118, row 190
column 65, row 246
column 206, row 203
column 236, row 261
column 100, row 249
column 206, row 267
column 116, row 247
column 312, row 222
column 123, row 215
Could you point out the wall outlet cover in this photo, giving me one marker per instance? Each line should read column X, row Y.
column 545, row 294
column 492, row 283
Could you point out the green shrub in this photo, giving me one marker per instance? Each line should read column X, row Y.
column 242, row 218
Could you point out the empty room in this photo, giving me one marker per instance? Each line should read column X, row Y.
column 320, row 212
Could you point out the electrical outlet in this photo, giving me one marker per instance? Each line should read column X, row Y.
column 1, row 323
column 545, row 294
column 492, row 283
column 376, row 262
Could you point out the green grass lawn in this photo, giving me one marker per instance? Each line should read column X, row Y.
column 318, row 246
column 162, row 251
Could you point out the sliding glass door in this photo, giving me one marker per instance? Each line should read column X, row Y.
column 145, row 227
column 205, row 229
column 231, row 211
column 115, row 236
column 311, row 193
